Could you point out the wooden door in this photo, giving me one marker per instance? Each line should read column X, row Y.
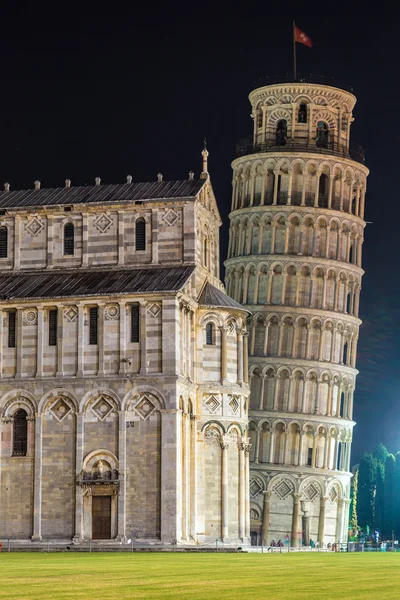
column 101, row 517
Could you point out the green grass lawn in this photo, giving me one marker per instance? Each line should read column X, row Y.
column 120, row 576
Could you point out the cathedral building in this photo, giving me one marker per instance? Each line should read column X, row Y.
column 123, row 367
column 294, row 260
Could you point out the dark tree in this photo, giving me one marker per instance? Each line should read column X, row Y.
column 389, row 497
column 366, row 491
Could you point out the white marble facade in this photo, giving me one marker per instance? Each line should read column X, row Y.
column 123, row 367
column 294, row 260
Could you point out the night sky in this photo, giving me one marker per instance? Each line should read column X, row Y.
column 86, row 94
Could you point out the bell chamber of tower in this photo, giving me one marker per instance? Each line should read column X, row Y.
column 294, row 260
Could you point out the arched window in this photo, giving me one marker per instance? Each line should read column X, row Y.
column 259, row 118
column 281, row 132
column 302, row 114
column 209, row 334
column 205, row 253
column 20, row 433
column 140, row 234
column 69, row 239
column 321, row 139
column 3, row 242
column 323, row 191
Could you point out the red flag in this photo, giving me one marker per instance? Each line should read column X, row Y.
column 301, row 37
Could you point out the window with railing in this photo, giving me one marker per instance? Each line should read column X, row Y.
column 20, row 433
column 135, row 323
column 140, row 230
column 69, row 235
column 93, row 326
column 53, row 327
column 209, row 334
column 3, row 242
column 12, row 317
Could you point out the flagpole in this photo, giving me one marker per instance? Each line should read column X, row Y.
column 294, row 53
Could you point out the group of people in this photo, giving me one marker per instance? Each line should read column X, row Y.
column 278, row 544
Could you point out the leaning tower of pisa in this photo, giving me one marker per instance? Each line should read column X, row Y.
column 294, row 260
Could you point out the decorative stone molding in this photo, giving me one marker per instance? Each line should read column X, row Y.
column 111, row 312
column 30, row 316
column 34, row 226
column 70, row 313
column 154, row 309
column 170, row 217
column 103, row 223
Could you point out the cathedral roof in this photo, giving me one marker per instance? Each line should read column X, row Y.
column 124, row 192
column 212, row 296
column 93, row 282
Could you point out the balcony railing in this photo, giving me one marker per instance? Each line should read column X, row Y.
column 247, row 146
column 97, row 478
column 302, row 78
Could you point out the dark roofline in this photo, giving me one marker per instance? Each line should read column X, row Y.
column 86, row 283
column 98, row 194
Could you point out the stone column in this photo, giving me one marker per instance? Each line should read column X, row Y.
column 122, row 337
column 330, row 192
column 265, row 517
column 295, row 520
column 37, row 482
column 143, row 338
column 239, row 356
column 193, row 479
column 245, row 357
column 314, row 451
column 261, row 398
column 326, row 447
column 321, row 520
column 300, row 457
column 100, row 346
column 121, row 535
column 60, row 341
column 257, row 447
column 287, row 232
column 81, row 341
column 224, row 355
column 275, row 197
column 340, row 520
column 224, row 490
column 273, row 238
column 39, row 347
column 79, row 449
column 19, row 344
column 85, row 240
column 17, row 242
column 335, row 454
column 171, row 475
column 305, row 524
column 271, row 448
column 1, row 355
column 242, row 491
column 247, row 482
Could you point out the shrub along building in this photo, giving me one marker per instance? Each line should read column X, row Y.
column 294, row 260
column 123, row 367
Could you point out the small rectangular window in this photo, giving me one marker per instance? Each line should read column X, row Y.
column 309, row 457
column 53, row 327
column 135, row 323
column 11, row 329
column 93, row 319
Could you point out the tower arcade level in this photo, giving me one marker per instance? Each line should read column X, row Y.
column 294, row 260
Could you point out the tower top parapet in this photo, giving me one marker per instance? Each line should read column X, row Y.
column 303, row 115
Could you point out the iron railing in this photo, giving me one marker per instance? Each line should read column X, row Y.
column 302, row 78
column 248, row 146
column 96, row 477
